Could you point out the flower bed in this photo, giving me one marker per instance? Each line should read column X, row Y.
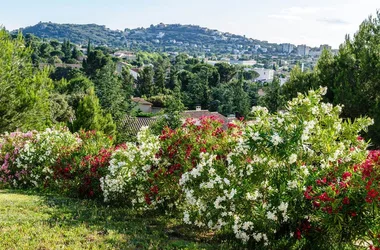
column 301, row 178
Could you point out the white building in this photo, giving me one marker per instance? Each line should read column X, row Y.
column 161, row 35
column 265, row 75
column 315, row 53
column 303, row 50
column 243, row 62
column 125, row 55
column 121, row 65
column 287, row 48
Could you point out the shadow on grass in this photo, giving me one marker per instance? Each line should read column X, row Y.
column 119, row 226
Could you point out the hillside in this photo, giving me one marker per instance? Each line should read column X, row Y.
column 161, row 37
column 77, row 33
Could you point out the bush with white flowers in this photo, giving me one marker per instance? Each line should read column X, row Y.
column 128, row 179
column 259, row 191
column 32, row 161
column 252, row 179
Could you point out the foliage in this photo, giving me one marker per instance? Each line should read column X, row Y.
column 113, row 96
column 351, row 76
column 89, row 116
column 140, row 39
column 145, row 84
column 273, row 98
column 26, row 158
column 94, row 62
column 172, row 117
column 255, row 180
column 24, row 91
column 78, row 173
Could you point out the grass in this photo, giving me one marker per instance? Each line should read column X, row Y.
column 34, row 221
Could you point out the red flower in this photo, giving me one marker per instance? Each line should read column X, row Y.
column 346, row 201
column 324, row 197
column 316, row 204
column 371, row 195
column 154, row 189
column 346, row 175
column 353, row 214
column 306, row 194
column 297, row 234
column 147, row 199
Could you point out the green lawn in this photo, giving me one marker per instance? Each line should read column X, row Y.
column 32, row 221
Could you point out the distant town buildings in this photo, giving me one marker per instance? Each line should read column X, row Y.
column 303, row 50
column 287, row 48
column 324, row 46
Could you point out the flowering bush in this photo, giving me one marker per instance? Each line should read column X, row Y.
column 349, row 201
column 272, row 182
column 10, row 145
column 33, row 155
column 261, row 191
column 127, row 178
column 55, row 159
column 78, row 173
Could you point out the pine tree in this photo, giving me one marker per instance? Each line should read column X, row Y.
column 145, row 85
column 24, row 91
column 89, row 116
column 66, row 49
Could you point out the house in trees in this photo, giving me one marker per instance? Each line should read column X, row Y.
column 133, row 71
column 142, row 105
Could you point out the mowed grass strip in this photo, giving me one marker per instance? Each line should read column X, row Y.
column 32, row 221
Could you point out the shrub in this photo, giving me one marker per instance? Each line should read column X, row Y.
column 34, row 153
column 77, row 173
column 10, row 145
column 259, row 180
column 127, row 179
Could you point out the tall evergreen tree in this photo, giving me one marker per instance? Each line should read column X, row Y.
column 89, row 116
column 24, row 91
column 66, row 49
column 112, row 96
column 145, row 84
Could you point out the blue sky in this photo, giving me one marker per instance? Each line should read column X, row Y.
column 311, row 22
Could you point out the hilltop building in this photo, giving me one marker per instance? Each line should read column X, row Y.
column 287, row 48
column 303, row 50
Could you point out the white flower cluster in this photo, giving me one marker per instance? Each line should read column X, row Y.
column 42, row 151
column 128, row 170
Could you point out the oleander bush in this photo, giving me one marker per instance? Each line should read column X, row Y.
column 279, row 181
column 55, row 159
column 300, row 178
column 77, row 173
column 27, row 157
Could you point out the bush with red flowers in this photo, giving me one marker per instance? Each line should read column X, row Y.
column 77, row 173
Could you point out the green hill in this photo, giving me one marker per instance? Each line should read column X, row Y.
column 161, row 37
